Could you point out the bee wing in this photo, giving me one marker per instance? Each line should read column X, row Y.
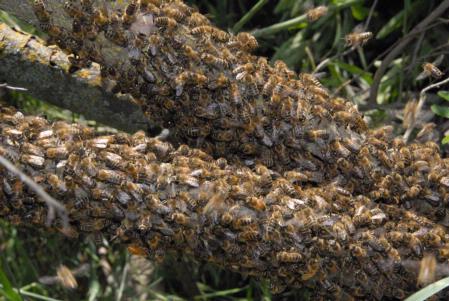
column 422, row 75
column 438, row 60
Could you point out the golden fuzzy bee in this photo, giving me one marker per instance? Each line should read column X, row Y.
column 316, row 13
column 110, row 176
column 174, row 13
column 73, row 10
column 214, row 32
column 431, row 69
column 213, row 60
column 58, row 185
column 166, row 23
column 189, row 77
column 244, row 41
column 355, row 39
column 288, row 257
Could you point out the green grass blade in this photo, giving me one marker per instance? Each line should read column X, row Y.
column 8, row 290
column 249, row 15
column 429, row 290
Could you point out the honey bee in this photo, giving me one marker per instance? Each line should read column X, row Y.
column 248, row 235
column 224, row 136
column 414, row 191
column 41, row 11
column 130, row 12
column 213, row 60
column 358, row 39
column 416, row 246
column 215, row 33
column 94, row 225
column 431, row 69
column 137, row 250
column 110, row 176
column 427, row 270
column 288, row 257
column 188, row 77
column 196, row 19
column 174, row 13
column 66, row 277
column 256, row 203
column 190, row 53
column 338, row 148
column 357, row 251
column 235, row 94
column 57, row 184
column 166, row 23
column 244, row 41
column 34, row 161
column 316, row 13
column 73, row 10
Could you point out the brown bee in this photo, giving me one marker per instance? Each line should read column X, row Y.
column 248, row 235
column 357, row 251
column 196, row 19
column 340, row 149
column 130, row 12
column 214, row 32
column 358, row 39
column 316, row 13
column 213, row 60
column 174, row 13
column 288, row 257
column 57, row 184
column 244, row 41
column 190, row 53
column 35, row 161
column 189, row 77
column 257, row 204
column 235, row 94
column 41, row 11
column 427, row 270
column 73, row 10
column 137, row 250
column 166, row 23
column 431, row 69
column 93, row 225
column 110, row 176
column 66, row 277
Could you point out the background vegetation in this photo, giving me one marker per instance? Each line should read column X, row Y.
column 29, row 258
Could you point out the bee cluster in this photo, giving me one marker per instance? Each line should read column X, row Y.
column 205, row 85
column 157, row 199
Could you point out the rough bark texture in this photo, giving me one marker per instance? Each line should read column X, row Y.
column 142, row 192
column 26, row 62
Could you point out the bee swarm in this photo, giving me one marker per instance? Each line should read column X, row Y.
column 310, row 197
column 142, row 192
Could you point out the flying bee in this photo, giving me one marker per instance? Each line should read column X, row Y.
column 316, row 13
column 66, row 277
column 41, row 11
column 166, row 23
column 431, row 69
column 355, row 39
column 288, row 257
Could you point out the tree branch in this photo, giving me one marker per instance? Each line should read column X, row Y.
column 141, row 192
column 25, row 61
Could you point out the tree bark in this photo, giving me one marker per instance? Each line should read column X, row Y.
column 44, row 71
column 142, row 192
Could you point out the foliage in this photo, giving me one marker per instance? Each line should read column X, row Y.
column 28, row 254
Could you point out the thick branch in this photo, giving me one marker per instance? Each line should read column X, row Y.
column 141, row 192
column 26, row 62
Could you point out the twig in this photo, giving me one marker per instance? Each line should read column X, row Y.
column 53, row 205
column 5, row 85
column 422, row 99
column 400, row 46
column 258, row 6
